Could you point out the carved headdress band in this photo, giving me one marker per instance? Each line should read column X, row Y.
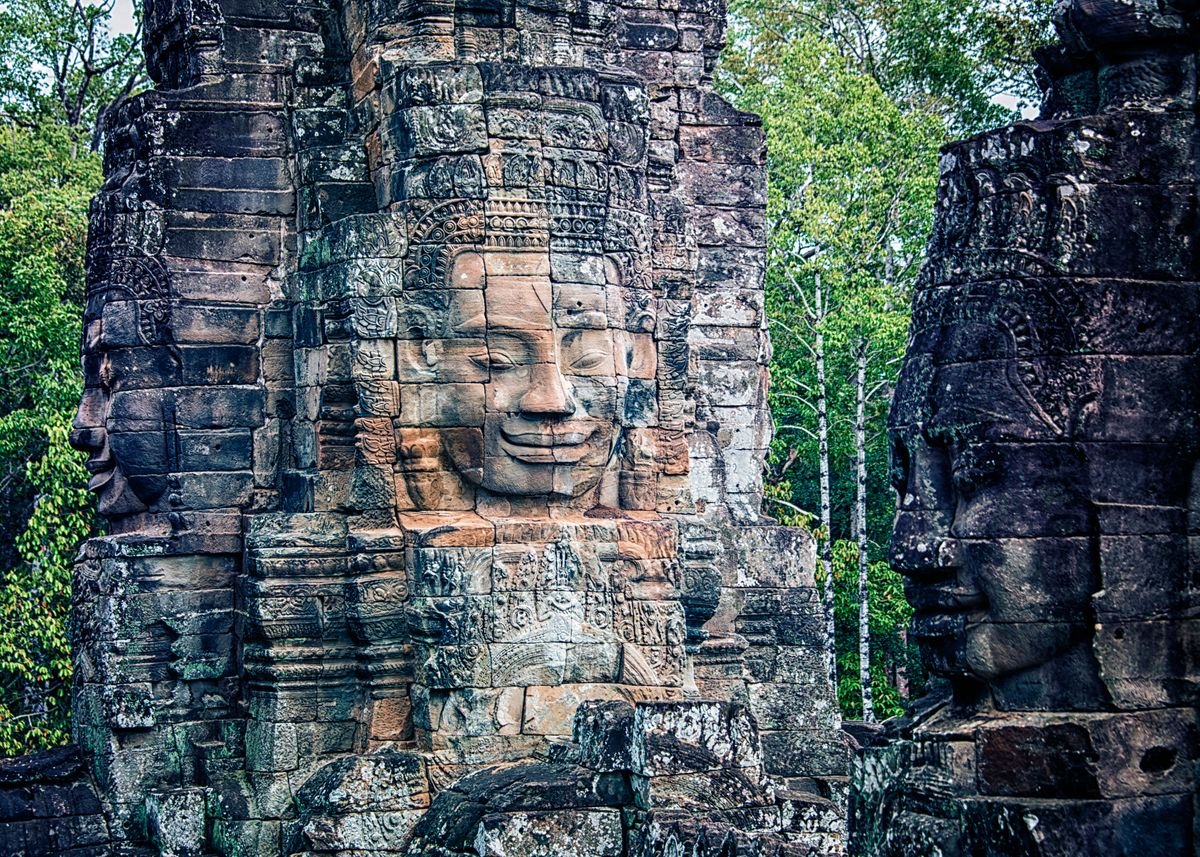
column 129, row 274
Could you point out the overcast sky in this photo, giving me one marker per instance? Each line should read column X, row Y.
column 122, row 18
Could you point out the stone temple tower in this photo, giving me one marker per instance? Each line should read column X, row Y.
column 1046, row 433
column 425, row 361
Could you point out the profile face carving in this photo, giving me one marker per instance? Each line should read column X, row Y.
column 123, row 415
column 89, row 432
column 992, row 529
column 996, row 589
column 1025, row 458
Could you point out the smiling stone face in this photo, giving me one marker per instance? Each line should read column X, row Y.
column 1025, row 458
column 550, row 398
column 515, row 343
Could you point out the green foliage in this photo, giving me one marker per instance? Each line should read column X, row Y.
column 852, row 176
column 62, row 64
column 856, row 97
column 890, row 652
column 778, row 497
column 945, row 58
column 44, row 191
column 35, row 598
column 62, row 69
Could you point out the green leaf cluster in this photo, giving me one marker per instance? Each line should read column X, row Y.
column 61, row 69
column 893, row 659
column 852, row 183
column 63, row 64
column 946, row 58
column 45, row 186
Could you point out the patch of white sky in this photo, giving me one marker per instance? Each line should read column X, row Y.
column 122, row 16
column 1010, row 102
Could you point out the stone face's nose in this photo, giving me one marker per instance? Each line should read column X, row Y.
column 925, row 506
column 87, row 429
column 548, row 394
column 87, row 439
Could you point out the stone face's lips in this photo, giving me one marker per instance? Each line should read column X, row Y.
column 549, row 444
column 102, row 469
column 101, row 479
column 934, row 625
column 558, row 445
column 945, row 599
column 531, row 455
column 544, row 439
column 942, row 610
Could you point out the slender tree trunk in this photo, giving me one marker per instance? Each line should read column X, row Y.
column 826, row 551
column 860, row 505
column 902, row 664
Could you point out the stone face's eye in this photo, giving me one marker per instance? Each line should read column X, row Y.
column 508, row 350
column 973, row 466
column 898, row 466
column 106, row 375
column 495, row 361
column 504, row 352
column 589, row 359
column 499, row 361
column 587, row 352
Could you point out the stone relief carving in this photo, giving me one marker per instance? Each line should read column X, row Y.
column 433, row 518
column 402, row 413
column 128, row 357
column 1045, row 442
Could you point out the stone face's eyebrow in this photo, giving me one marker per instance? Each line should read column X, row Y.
column 474, row 324
column 513, row 326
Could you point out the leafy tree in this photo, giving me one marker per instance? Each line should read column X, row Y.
column 892, row 654
column 946, row 58
column 63, row 64
column 852, row 177
column 44, row 193
column 61, row 69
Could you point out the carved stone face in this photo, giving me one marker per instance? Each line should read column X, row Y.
column 121, row 429
column 1029, row 465
column 1000, row 579
column 992, row 529
column 550, row 398
column 525, row 326
column 1074, row 387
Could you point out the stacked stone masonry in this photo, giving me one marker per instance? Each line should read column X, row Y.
column 425, row 397
column 1047, row 431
